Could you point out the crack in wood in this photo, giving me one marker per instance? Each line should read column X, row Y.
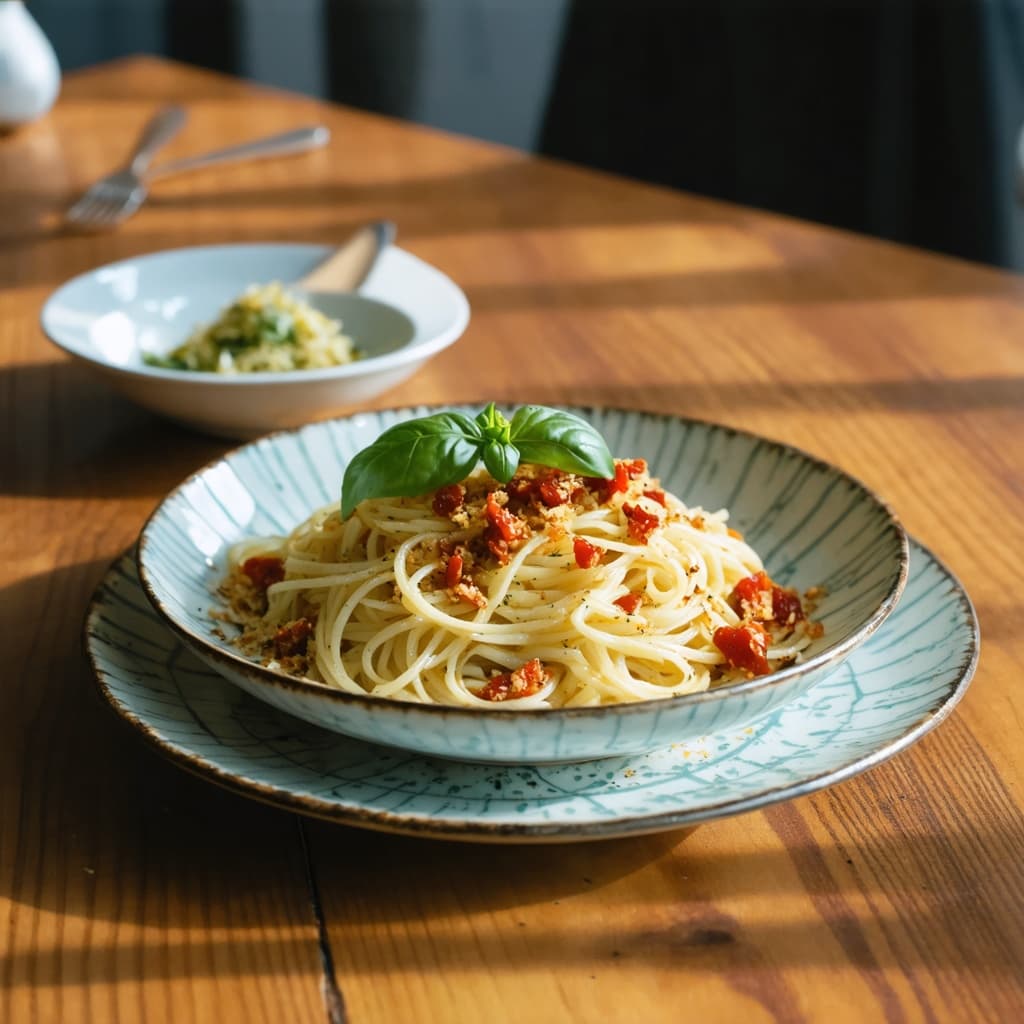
column 334, row 1000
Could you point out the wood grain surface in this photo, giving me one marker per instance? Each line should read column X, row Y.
column 131, row 891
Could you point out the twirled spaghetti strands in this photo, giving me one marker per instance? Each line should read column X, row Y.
column 510, row 598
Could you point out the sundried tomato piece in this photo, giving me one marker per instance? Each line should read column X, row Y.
column 504, row 530
column 520, row 488
column 599, row 487
column 453, row 570
column 527, row 680
column 448, row 500
column 587, row 555
column 748, row 589
column 509, row 526
column 745, row 647
column 264, row 570
column 551, row 493
column 498, row 547
column 758, row 598
column 292, row 638
column 786, row 607
column 751, row 594
column 640, row 523
column 625, row 470
column 629, row 603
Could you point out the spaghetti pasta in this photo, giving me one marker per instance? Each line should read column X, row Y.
column 553, row 590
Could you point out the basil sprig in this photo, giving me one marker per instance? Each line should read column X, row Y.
column 421, row 455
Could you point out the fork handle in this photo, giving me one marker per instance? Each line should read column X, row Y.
column 161, row 128
column 298, row 141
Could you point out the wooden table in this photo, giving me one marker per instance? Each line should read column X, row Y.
column 131, row 891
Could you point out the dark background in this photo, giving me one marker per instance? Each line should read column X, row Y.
column 895, row 117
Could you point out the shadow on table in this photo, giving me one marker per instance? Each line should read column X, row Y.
column 520, row 193
column 38, row 221
column 72, row 436
column 794, row 283
column 699, row 397
column 515, row 196
column 433, row 205
column 96, row 827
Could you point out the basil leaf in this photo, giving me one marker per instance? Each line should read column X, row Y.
column 493, row 425
column 501, row 460
column 412, row 458
column 419, row 456
column 551, row 437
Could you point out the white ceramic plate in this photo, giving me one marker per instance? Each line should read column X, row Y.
column 888, row 694
column 406, row 312
column 812, row 524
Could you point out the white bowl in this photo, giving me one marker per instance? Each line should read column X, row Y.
column 405, row 313
column 813, row 525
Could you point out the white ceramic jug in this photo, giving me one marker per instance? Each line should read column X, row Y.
column 29, row 73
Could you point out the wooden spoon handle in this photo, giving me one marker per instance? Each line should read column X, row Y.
column 346, row 268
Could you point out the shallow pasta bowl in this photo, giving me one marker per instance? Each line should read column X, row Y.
column 110, row 318
column 812, row 524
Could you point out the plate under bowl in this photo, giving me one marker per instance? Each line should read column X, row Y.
column 812, row 524
column 902, row 682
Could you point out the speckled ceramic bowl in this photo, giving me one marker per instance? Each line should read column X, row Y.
column 404, row 314
column 810, row 522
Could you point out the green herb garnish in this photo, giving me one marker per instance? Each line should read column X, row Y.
column 275, row 327
column 171, row 362
column 419, row 456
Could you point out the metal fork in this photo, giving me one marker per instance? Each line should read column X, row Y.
column 120, row 194
column 123, row 193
